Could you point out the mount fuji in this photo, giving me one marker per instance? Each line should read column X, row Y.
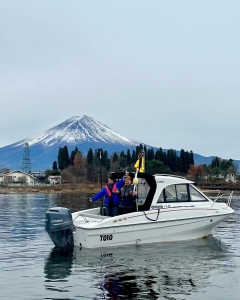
column 83, row 132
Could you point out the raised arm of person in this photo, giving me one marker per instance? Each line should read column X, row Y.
column 121, row 182
column 98, row 195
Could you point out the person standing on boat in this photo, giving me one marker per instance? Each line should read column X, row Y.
column 111, row 193
column 128, row 196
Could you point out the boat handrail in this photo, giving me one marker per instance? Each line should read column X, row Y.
column 220, row 195
column 84, row 215
column 170, row 175
column 230, row 199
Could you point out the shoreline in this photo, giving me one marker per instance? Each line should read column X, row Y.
column 87, row 187
column 54, row 189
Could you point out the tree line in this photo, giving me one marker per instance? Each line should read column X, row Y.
column 218, row 169
column 76, row 167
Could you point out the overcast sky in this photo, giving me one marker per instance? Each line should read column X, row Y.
column 165, row 73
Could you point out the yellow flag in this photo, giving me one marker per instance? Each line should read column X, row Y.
column 140, row 163
column 136, row 166
column 142, row 168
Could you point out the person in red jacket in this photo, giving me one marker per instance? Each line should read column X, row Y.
column 111, row 193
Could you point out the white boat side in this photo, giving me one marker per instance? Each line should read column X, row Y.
column 167, row 219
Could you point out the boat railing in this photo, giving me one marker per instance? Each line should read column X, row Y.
column 219, row 195
column 230, row 199
column 87, row 215
column 169, row 175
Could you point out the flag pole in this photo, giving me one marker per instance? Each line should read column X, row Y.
column 135, row 181
column 100, row 156
column 140, row 167
column 101, row 168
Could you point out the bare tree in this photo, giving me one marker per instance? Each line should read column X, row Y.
column 22, row 179
column 7, row 180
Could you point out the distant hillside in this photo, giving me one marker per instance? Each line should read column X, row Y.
column 83, row 132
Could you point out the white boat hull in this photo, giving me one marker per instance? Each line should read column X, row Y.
column 171, row 209
column 135, row 228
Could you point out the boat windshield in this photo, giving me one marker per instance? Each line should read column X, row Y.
column 180, row 193
column 142, row 191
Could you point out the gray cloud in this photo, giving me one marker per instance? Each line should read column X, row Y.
column 162, row 72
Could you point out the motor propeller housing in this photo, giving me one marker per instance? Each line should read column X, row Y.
column 59, row 226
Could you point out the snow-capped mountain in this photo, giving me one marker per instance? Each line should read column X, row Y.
column 83, row 132
column 78, row 130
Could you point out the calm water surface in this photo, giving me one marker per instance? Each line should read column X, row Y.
column 30, row 268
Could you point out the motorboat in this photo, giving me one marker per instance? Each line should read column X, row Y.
column 168, row 208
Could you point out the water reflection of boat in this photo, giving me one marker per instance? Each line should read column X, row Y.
column 58, row 265
column 151, row 271
column 170, row 208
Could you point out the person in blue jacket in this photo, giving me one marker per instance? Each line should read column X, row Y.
column 111, row 193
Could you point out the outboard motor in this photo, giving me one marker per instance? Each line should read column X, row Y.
column 59, row 226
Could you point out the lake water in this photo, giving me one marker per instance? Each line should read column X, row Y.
column 30, row 268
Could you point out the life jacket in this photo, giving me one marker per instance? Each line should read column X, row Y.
column 113, row 190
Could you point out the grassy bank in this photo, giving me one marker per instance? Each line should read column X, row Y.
column 86, row 187
column 92, row 187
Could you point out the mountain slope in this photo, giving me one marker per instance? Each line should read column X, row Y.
column 83, row 132
column 77, row 130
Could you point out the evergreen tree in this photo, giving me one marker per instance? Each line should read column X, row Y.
column 137, row 150
column 145, row 152
column 156, row 167
column 66, row 159
column 172, row 160
column 156, row 156
column 108, row 164
column 129, row 158
column 90, row 156
column 122, row 154
column 123, row 160
column 183, row 167
column 215, row 162
column 161, row 156
column 60, row 158
column 115, row 157
column 187, row 158
column 134, row 156
column 73, row 153
column 63, row 158
column 148, row 155
column 105, row 160
column 145, row 148
column 54, row 167
column 191, row 158
column 51, row 173
column 151, row 154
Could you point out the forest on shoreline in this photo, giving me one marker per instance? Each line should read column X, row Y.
column 96, row 165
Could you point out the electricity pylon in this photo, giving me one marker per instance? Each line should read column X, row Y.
column 26, row 161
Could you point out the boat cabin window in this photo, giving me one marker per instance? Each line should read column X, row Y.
column 161, row 197
column 142, row 191
column 196, row 195
column 180, row 193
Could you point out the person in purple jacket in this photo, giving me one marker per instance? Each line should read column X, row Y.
column 111, row 193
